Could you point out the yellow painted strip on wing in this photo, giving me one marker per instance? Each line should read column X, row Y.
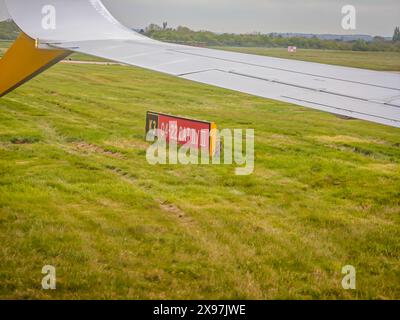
column 23, row 61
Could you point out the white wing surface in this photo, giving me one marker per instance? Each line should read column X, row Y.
column 87, row 26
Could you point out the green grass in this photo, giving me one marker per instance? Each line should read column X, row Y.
column 85, row 57
column 76, row 192
column 381, row 61
column 4, row 45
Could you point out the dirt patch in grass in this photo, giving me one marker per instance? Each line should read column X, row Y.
column 128, row 144
column 126, row 176
column 386, row 168
column 92, row 148
column 173, row 210
column 24, row 140
column 342, row 139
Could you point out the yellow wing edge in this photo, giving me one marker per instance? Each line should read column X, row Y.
column 24, row 60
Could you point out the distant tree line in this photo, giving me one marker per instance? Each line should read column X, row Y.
column 207, row 38
column 9, row 31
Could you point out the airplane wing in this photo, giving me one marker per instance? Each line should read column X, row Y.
column 86, row 26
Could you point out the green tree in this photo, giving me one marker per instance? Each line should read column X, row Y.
column 396, row 35
column 185, row 35
column 360, row 45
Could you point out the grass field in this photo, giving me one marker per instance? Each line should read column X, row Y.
column 4, row 45
column 381, row 61
column 76, row 192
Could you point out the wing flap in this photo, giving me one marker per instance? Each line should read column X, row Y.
column 313, row 99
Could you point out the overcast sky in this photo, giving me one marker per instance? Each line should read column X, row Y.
column 2, row 11
column 375, row 17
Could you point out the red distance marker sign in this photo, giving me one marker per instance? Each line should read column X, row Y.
column 193, row 133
